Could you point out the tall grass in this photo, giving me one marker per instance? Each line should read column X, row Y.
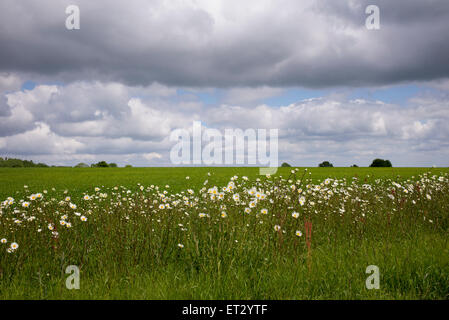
column 152, row 242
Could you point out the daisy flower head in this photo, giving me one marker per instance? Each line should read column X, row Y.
column 3, row 241
column 295, row 215
column 277, row 227
column 83, row 218
column 14, row 246
column 298, row 233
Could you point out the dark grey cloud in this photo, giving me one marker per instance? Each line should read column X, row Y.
column 227, row 43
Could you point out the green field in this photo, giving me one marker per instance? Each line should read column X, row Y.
column 150, row 233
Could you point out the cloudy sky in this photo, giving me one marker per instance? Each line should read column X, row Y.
column 136, row 70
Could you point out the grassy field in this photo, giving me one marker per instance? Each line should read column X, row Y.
column 224, row 233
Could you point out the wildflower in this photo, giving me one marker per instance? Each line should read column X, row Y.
column 50, row 227
column 180, row 245
column 277, row 227
column 202, row 215
column 428, row 197
column 3, row 241
column 62, row 222
column 25, row 204
column 302, row 200
column 83, row 218
column 14, row 246
column 264, row 211
column 72, row 206
column 247, row 210
column 161, row 206
column 295, row 215
column 223, row 214
column 298, row 233
column 86, row 197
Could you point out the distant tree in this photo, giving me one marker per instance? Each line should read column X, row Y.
column 381, row 163
column 285, row 165
column 354, row 166
column 81, row 165
column 325, row 164
column 128, row 166
column 18, row 163
column 41, row 165
column 102, row 164
column 113, row 165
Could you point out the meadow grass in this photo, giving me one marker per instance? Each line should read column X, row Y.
column 203, row 245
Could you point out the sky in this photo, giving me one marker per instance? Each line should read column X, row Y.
column 116, row 88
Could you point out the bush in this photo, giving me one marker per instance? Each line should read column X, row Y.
column 354, row 166
column 18, row 163
column 81, row 165
column 101, row 164
column 381, row 163
column 285, row 165
column 113, row 165
column 325, row 164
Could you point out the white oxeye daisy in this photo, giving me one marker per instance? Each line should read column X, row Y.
column 264, row 211
column 180, row 245
column 25, row 204
column 224, row 214
column 298, row 233
column 86, row 197
column 67, row 199
column 83, row 218
column 201, row 215
column 50, row 227
column 302, row 200
column 62, row 222
column 68, row 225
column 97, row 189
column 14, row 246
column 72, row 205
column 3, row 240
column 247, row 210
column 277, row 227
column 161, row 206
column 295, row 215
